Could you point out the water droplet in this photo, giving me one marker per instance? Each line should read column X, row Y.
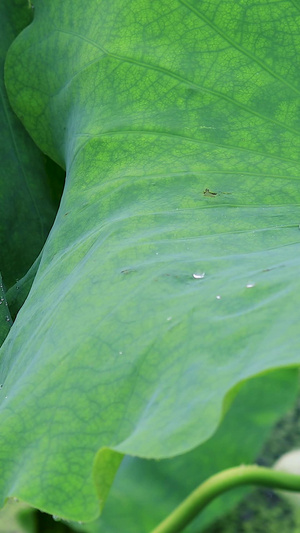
column 156, row 253
column 169, row 318
column 218, row 297
column 5, row 397
column 56, row 518
column 250, row 284
column 7, row 319
column 120, row 353
column 199, row 275
column 1, row 386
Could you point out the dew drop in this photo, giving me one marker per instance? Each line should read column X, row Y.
column 199, row 275
column 250, row 285
column 156, row 253
column 120, row 353
column 218, row 297
column 56, row 518
column 7, row 319
column 169, row 318
column 1, row 386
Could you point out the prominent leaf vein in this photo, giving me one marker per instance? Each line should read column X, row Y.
column 239, row 47
column 186, row 82
column 91, row 136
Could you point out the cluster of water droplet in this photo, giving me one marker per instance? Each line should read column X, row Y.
column 201, row 275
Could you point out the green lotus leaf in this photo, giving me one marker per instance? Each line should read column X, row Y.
column 170, row 275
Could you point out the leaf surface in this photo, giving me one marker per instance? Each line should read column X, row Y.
column 171, row 273
column 146, row 491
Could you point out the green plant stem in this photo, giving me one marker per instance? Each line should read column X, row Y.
column 219, row 483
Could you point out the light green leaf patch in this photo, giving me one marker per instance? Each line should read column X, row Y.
column 153, row 298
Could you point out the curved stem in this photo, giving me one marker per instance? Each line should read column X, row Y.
column 221, row 482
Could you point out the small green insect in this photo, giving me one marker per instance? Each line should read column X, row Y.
column 207, row 192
